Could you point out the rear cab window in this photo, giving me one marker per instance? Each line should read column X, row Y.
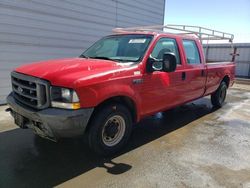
column 191, row 51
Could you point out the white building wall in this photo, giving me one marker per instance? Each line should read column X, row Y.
column 34, row 30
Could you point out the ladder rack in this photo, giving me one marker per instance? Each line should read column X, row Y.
column 201, row 32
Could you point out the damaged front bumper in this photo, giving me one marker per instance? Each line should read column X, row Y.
column 50, row 123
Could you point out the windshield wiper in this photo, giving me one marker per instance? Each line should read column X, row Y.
column 102, row 57
column 125, row 60
column 83, row 56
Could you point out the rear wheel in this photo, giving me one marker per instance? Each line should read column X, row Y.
column 110, row 129
column 219, row 96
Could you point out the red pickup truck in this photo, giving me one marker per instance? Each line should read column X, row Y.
column 114, row 84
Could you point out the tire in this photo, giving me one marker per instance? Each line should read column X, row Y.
column 110, row 129
column 219, row 96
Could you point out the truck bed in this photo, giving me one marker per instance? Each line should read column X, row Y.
column 215, row 71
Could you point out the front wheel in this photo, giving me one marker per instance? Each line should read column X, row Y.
column 219, row 96
column 110, row 129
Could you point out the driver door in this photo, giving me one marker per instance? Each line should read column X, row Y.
column 162, row 90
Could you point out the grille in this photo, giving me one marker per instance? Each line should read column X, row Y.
column 31, row 91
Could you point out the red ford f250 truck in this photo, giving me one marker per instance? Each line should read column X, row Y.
column 114, row 84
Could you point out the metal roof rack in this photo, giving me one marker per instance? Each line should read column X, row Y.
column 201, row 32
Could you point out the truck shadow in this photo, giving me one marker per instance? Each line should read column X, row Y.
column 27, row 160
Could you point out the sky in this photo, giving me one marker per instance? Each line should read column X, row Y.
column 227, row 16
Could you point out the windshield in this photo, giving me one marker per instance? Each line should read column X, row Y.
column 123, row 48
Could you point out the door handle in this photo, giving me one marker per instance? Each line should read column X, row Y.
column 202, row 73
column 183, row 75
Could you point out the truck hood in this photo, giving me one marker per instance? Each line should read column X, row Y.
column 67, row 72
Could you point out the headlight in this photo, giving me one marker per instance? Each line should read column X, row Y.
column 64, row 98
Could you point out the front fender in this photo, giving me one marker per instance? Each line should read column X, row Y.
column 95, row 95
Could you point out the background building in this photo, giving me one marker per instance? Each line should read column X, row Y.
column 38, row 30
column 221, row 52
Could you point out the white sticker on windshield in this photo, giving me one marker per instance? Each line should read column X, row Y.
column 138, row 41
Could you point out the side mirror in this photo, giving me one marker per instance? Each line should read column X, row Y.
column 169, row 62
column 166, row 64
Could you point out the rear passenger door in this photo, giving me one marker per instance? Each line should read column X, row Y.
column 194, row 70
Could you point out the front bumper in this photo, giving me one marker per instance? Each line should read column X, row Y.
column 51, row 123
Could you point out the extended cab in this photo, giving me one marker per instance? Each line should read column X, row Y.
column 113, row 85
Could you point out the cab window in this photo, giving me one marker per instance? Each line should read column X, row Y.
column 192, row 53
column 165, row 45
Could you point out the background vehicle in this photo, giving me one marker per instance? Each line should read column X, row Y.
column 116, row 82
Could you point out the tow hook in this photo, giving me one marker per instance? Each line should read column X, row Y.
column 8, row 110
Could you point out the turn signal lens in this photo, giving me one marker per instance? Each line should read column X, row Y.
column 73, row 106
column 76, row 105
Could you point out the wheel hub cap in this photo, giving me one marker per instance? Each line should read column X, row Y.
column 113, row 130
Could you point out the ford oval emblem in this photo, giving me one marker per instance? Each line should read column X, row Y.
column 20, row 89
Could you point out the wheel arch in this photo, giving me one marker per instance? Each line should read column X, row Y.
column 226, row 79
column 120, row 99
